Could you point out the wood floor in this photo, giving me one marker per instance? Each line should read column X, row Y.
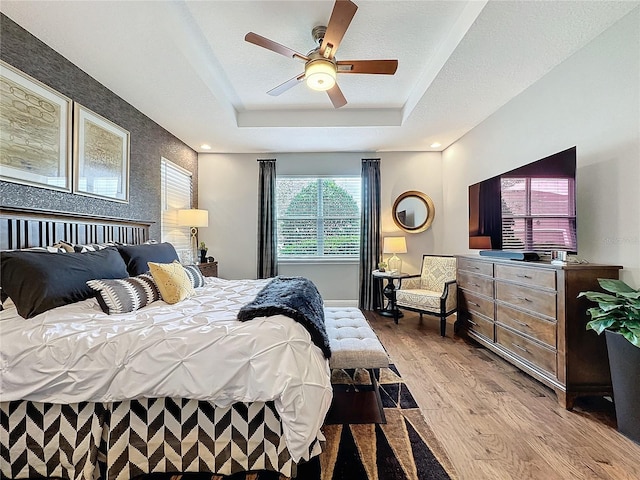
column 495, row 422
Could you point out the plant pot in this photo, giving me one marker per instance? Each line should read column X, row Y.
column 624, row 360
column 203, row 256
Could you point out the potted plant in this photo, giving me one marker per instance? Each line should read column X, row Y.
column 618, row 315
column 382, row 266
column 203, row 252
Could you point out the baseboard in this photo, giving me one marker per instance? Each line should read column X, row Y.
column 340, row 303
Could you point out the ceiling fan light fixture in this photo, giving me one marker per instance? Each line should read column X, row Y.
column 320, row 74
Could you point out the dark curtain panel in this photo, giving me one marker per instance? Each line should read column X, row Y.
column 370, row 297
column 267, row 238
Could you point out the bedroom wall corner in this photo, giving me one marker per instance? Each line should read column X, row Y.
column 149, row 141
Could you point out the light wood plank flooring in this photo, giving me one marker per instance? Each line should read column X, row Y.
column 494, row 421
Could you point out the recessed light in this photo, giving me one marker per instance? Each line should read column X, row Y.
column 204, row 146
column 436, row 145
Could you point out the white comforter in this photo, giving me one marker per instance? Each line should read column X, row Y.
column 195, row 349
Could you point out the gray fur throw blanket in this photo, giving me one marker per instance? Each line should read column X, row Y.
column 294, row 297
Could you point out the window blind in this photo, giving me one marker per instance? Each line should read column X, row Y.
column 538, row 214
column 318, row 217
column 177, row 192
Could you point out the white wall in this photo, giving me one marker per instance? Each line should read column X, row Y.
column 228, row 189
column 403, row 171
column 591, row 100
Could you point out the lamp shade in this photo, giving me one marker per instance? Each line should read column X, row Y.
column 193, row 217
column 320, row 74
column 394, row 245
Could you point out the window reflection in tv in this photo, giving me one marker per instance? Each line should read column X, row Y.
column 531, row 208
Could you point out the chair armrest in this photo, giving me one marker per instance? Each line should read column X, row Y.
column 447, row 285
column 449, row 298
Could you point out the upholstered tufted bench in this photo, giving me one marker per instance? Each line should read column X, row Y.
column 355, row 345
column 353, row 342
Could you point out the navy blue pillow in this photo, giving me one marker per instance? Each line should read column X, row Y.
column 137, row 256
column 39, row 281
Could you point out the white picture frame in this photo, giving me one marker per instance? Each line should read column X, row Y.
column 101, row 156
column 35, row 132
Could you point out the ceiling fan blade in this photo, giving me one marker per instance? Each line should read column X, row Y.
column 341, row 16
column 336, row 96
column 273, row 46
column 274, row 92
column 381, row 67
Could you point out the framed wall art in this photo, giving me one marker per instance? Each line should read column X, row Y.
column 35, row 132
column 101, row 156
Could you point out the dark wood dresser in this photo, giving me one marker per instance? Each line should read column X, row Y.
column 209, row 269
column 529, row 314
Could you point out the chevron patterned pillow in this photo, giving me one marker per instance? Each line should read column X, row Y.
column 195, row 275
column 126, row 294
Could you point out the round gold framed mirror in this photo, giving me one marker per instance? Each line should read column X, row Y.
column 413, row 211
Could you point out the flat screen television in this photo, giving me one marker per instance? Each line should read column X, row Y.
column 529, row 209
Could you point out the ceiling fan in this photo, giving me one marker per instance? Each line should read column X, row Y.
column 321, row 66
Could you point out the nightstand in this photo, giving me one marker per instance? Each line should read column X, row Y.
column 391, row 310
column 209, row 269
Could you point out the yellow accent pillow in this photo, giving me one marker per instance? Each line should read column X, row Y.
column 172, row 280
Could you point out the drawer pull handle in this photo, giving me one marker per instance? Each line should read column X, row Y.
column 474, row 304
column 475, row 284
column 524, row 299
column 525, row 276
column 519, row 347
column 522, row 324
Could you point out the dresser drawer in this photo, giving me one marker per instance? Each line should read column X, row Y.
column 479, row 324
column 542, row 330
column 483, row 268
column 541, row 357
column 476, row 303
column 475, row 283
column 527, row 276
column 539, row 301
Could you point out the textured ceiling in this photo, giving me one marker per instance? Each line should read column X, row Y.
column 185, row 64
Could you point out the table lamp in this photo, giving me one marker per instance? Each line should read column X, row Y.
column 394, row 245
column 193, row 218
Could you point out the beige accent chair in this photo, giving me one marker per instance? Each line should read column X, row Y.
column 432, row 292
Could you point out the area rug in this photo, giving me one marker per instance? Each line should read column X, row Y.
column 404, row 448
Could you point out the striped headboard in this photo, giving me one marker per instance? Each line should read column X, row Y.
column 22, row 228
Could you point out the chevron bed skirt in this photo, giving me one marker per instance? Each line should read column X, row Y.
column 121, row 440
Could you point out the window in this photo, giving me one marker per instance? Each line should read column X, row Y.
column 318, row 217
column 176, row 194
column 538, row 213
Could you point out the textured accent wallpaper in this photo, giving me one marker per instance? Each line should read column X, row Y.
column 149, row 141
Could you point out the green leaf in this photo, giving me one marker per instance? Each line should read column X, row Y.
column 631, row 336
column 608, row 307
column 619, row 313
column 631, row 295
column 615, row 286
column 598, row 314
column 600, row 325
column 600, row 297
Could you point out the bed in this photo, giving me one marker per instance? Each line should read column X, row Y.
column 165, row 388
